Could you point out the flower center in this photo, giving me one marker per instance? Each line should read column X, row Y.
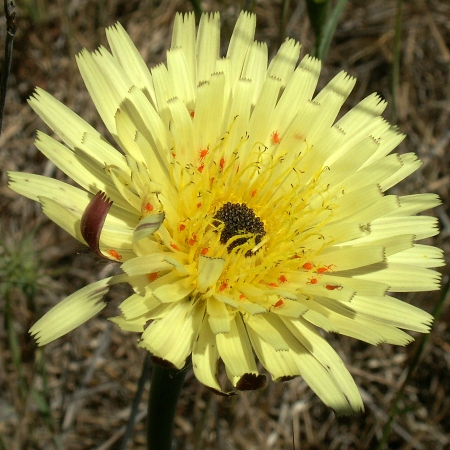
column 239, row 219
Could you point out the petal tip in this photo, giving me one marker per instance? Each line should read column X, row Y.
column 251, row 382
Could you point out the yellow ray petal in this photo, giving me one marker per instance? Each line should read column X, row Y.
column 241, row 39
column 72, row 311
column 405, row 278
column 186, row 318
column 419, row 255
column 130, row 60
column 219, row 317
column 270, row 328
column 209, row 272
column 334, row 367
column 205, row 357
column 207, row 46
column 106, row 99
column 183, row 36
column 236, row 351
column 280, row 364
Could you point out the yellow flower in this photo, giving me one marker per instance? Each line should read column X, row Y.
column 244, row 215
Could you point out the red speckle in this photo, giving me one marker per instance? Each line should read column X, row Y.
column 193, row 239
column 282, row 279
column 114, row 255
column 203, row 153
column 253, row 193
column 325, row 269
column 312, row 280
column 199, row 205
column 241, row 297
column 200, row 168
column 211, row 181
column 222, row 163
column 152, row 276
column 275, row 138
column 223, row 286
column 174, row 154
column 148, row 207
column 332, row 287
column 272, row 284
column 308, row 266
column 279, row 303
column 182, row 227
column 192, row 113
column 204, row 251
column 174, row 246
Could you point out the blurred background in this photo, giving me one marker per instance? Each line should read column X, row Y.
column 76, row 392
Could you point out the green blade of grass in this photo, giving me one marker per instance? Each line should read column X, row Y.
column 317, row 13
column 328, row 30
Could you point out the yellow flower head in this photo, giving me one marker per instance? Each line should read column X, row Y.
column 244, row 215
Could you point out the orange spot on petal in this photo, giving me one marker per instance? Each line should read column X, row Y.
column 114, row 254
column 279, row 303
column 152, row 276
column 174, row 246
column 282, row 279
column 308, row 266
column 332, row 287
column 148, row 207
column 204, row 251
column 275, row 137
column 325, row 269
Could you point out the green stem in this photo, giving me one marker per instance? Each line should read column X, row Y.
column 165, row 390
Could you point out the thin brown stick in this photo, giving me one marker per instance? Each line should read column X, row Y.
column 11, row 28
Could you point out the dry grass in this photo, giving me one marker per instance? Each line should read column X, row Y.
column 76, row 393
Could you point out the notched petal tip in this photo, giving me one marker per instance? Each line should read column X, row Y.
column 251, row 382
column 286, row 378
column 348, row 412
column 93, row 219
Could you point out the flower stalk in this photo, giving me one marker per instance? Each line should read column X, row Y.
column 165, row 390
